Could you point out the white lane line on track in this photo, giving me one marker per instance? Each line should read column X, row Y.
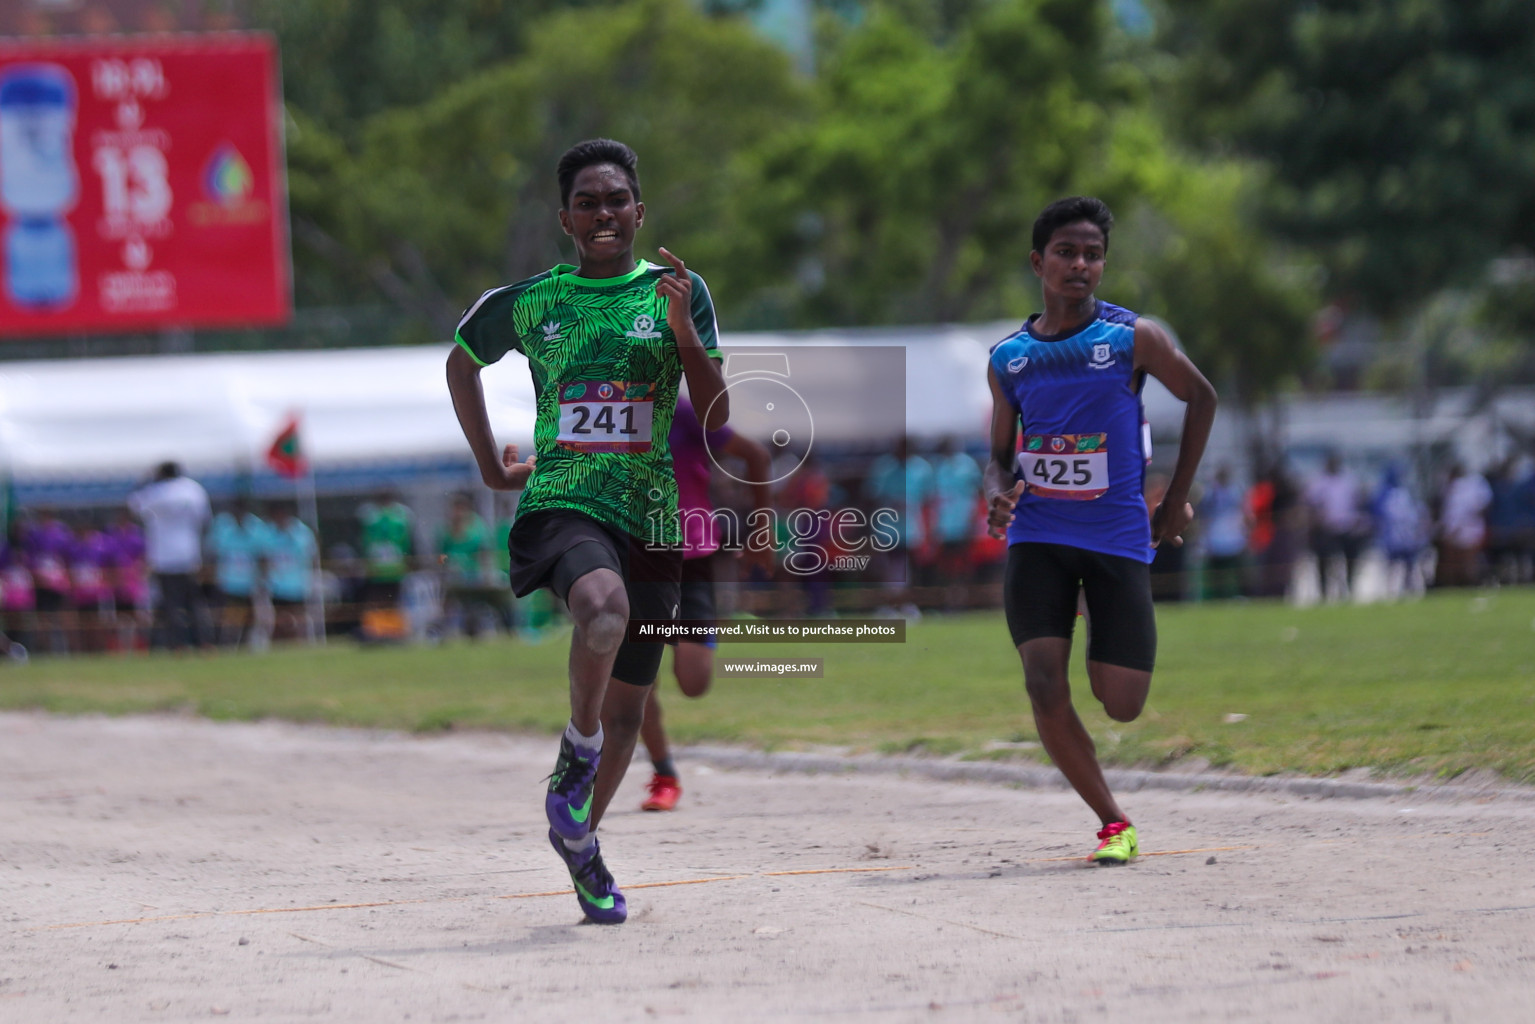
column 460, row 899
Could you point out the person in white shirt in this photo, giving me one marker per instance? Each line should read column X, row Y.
column 1338, row 527
column 1462, row 529
column 174, row 508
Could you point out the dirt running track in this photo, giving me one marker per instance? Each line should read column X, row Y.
column 166, row 869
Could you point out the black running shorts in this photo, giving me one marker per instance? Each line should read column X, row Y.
column 1039, row 593
column 698, row 595
column 555, row 547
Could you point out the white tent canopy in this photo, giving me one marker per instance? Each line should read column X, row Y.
column 73, row 418
column 84, row 432
column 221, row 412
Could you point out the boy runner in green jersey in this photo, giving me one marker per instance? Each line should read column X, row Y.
column 608, row 343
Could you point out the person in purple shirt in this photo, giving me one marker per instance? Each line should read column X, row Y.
column 47, row 544
column 130, row 582
column 693, row 662
column 90, row 567
column 18, row 599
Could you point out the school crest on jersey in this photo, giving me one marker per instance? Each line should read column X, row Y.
column 644, row 327
column 1103, row 355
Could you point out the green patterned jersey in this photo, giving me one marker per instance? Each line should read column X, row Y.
column 386, row 540
column 606, row 374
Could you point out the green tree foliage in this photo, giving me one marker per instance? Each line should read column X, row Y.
column 898, row 184
column 345, row 60
column 1191, row 256
column 1401, row 132
column 439, row 201
column 910, row 195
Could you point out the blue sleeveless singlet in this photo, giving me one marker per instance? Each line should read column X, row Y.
column 1085, row 439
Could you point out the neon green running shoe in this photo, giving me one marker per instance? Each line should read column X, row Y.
column 1119, row 845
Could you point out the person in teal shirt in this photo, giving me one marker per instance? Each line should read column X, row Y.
column 957, row 492
column 903, row 481
column 292, row 560
column 235, row 539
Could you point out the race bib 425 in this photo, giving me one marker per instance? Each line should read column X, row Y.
column 606, row 416
column 1074, row 467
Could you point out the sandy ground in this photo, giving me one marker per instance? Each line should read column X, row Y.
column 156, row 869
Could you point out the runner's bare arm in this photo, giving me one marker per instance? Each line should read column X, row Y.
column 501, row 471
column 1002, row 487
column 706, row 385
column 1156, row 354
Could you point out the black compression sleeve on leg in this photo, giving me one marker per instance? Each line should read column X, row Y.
column 585, row 557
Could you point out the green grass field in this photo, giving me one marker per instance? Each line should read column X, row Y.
column 1437, row 687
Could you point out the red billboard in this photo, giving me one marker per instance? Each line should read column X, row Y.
column 141, row 185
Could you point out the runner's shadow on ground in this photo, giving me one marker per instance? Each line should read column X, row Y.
column 530, row 937
column 543, row 936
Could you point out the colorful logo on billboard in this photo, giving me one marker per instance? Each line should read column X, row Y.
column 228, row 187
column 227, row 178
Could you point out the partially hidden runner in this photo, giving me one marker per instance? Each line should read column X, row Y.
column 1070, row 502
column 608, row 343
column 694, row 451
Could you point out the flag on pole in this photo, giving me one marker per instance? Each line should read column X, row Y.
column 286, row 457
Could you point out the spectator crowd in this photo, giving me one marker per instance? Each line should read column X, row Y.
column 164, row 572
column 1468, row 529
column 168, row 571
column 1276, row 536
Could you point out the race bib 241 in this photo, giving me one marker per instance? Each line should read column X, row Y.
column 606, row 416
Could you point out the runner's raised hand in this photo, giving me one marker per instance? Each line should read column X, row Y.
column 677, row 289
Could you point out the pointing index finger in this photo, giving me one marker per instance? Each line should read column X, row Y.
column 676, row 263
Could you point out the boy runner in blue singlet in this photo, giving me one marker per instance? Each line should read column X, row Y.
column 1070, row 501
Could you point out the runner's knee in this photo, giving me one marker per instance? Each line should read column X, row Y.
column 694, row 668
column 601, row 616
column 1048, row 689
column 604, row 631
column 1122, row 691
column 694, row 682
column 1123, row 707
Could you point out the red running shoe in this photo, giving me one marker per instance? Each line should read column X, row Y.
column 665, row 791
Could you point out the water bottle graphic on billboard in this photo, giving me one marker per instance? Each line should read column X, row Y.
column 39, row 185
